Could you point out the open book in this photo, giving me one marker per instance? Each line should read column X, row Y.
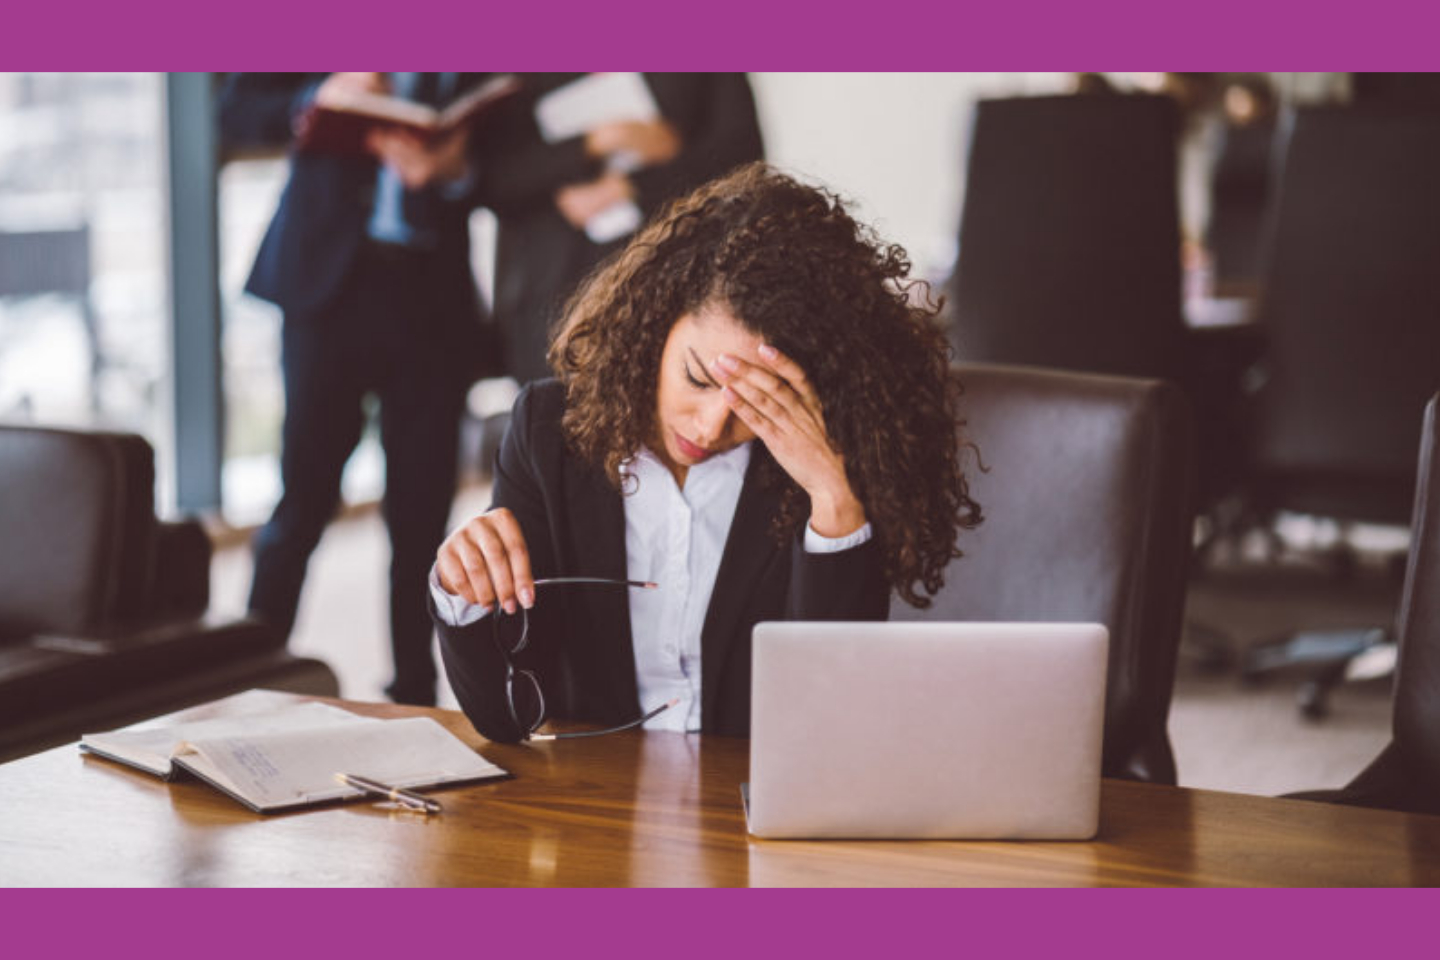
column 342, row 124
column 288, row 757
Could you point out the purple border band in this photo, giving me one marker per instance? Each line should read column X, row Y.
column 249, row 925
column 722, row 35
column 736, row 34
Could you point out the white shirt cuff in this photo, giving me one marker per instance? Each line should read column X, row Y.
column 454, row 611
column 816, row 543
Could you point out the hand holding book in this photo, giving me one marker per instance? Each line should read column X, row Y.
column 617, row 115
column 642, row 143
column 338, row 87
column 419, row 163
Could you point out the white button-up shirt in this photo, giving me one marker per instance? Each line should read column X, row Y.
column 675, row 537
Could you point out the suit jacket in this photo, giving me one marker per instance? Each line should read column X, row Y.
column 580, row 637
column 540, row 257
column 318, row 230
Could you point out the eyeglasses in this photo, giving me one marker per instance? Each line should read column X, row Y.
column 523, row 695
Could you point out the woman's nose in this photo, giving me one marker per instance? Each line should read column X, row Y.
column 713, row 420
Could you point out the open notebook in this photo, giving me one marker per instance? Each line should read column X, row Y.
column 288, row 757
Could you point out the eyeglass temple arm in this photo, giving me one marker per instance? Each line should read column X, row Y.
column 643, row 584
column 600, row 733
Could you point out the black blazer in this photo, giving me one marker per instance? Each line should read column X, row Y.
column 314, row 240
column 580, row 640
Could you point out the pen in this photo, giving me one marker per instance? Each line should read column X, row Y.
column 406, row 798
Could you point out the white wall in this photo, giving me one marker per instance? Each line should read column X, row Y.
column 893, row 143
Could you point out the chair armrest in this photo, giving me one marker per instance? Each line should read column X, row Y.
column 51, row 673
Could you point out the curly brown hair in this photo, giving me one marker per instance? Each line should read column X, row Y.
column 789, row 262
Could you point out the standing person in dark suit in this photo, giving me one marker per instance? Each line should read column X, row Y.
column 368, row 257
column 543, row 193
column 754, row 309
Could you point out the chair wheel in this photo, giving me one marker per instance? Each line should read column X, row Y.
column 1313, row 699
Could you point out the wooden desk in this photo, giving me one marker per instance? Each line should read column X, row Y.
column 649, row 809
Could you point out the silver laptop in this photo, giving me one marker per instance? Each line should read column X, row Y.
column 927, row 730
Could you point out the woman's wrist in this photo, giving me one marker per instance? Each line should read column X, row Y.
column 836, row 514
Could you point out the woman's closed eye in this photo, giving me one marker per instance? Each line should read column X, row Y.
column 697, row 384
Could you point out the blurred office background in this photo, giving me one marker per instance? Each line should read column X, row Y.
column 112, row 189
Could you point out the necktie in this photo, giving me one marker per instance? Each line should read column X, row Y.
column 401, row 216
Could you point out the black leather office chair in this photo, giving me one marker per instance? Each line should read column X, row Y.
column 1406, row 775
column 1087, row 518
column 1351, row 312
column 1396, row 89
column 102, row 607
column 1240, row 188
column 1070, row 238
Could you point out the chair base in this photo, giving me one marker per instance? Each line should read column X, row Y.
column 1325, row 655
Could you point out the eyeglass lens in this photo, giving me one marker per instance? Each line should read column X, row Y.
column 522, row 688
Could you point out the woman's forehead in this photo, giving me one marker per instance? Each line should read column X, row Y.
column 713, row 330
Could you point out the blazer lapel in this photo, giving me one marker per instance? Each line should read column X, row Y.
column 749, row 551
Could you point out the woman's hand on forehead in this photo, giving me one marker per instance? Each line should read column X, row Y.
column 773, row 397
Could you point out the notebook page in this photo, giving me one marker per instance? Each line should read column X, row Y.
column 283, row 769
column 152, row 747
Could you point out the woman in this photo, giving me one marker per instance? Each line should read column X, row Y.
column 754, row 309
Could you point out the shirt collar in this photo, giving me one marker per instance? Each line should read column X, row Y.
column 733, row 461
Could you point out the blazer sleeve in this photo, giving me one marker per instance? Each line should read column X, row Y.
column 258, row 109
column 715, row 116
column 846, row 585
column 474, row 665
column 516, row 170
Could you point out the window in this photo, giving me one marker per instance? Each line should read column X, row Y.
column 83, row 316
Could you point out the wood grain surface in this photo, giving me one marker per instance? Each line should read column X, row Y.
column 648, row 809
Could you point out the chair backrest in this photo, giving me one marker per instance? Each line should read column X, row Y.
column 77, row 530
column 45, row 261
column 1417, row 686
column 1070, row 238
column 1351, row 310
column 1087, row 518
column 1240, row 185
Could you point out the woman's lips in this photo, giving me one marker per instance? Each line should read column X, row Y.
column 690, row 450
